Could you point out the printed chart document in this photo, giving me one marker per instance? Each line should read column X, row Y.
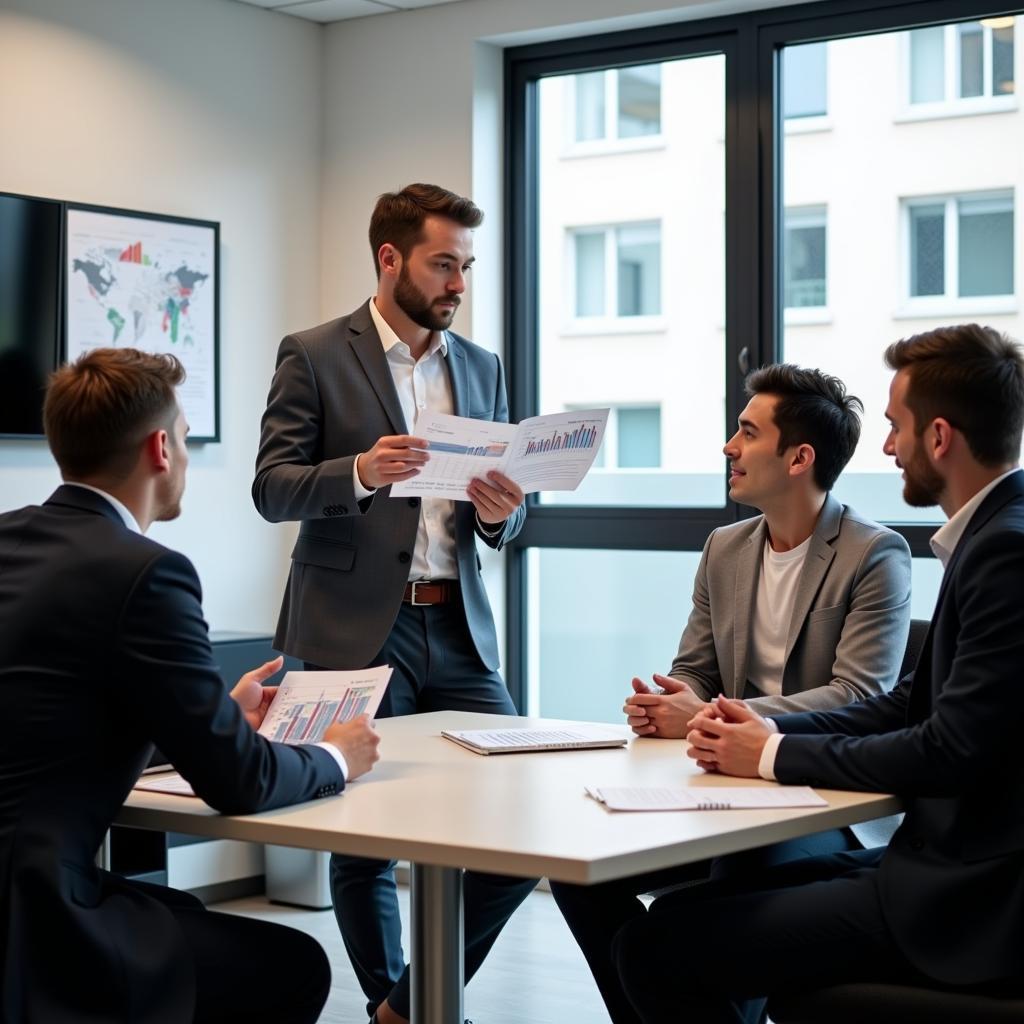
column 703, row 798
column 543, row 453
column 306, row 705
column 518, row 741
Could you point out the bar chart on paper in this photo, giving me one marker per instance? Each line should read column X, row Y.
column 308, row 703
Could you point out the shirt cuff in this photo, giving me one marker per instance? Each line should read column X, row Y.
column 489, row 529
column 766, row 766
column 362, row 493
column 338, row 756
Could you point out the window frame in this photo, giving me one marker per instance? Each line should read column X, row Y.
column 812, row 216
column 754, row 323
column 611, row 142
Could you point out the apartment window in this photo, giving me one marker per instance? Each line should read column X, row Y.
column 805, row 81
column 618, row 271
column 621, row 103
column 632, row 438
column 804, row 258
column 971, row 61
column 961, row 247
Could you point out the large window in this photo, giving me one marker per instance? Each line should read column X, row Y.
column 971, row 61
column 804, row 183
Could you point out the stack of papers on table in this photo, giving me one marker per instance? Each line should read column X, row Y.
column 518, row 741
column 704, row 798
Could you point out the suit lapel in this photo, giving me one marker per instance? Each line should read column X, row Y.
column 820, row 554
column 748, row 567
column 457, row 373
column 368, row 349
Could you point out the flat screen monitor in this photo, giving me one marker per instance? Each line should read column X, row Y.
column 30, row 266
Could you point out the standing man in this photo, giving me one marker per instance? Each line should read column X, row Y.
column 803, row 607
column 376, row 579
column 943, row 904
column 104, row 652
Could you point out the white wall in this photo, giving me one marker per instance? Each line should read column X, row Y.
column 200, row 108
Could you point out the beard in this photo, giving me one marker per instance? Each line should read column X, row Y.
column 922, row 486
column 170, row 506
column 418, row 308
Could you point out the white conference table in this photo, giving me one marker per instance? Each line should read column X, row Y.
column 443, row 808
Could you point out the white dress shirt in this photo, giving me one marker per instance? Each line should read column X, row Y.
column 943, row 543
column 422, row 384
column 132, row 523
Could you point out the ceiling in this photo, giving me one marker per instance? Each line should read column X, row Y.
column 338, row 10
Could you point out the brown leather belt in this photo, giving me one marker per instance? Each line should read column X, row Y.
column 422, row 592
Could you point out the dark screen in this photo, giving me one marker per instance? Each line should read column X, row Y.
column 29, row 309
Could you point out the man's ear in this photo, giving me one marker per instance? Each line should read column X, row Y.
column 154, row 449
column 389, row 259
column 941, row 438
column 802, row 460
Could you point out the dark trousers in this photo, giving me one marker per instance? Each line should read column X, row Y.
column 436, row 668
column 247, row 971
column 596, row 913
column 808, row 923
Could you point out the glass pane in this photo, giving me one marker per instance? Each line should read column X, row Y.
column 590, row 90
column 584, row 650
column 927, row 250
column 590, row 273
column 986, row 246
column 925, row 578
column 1002, row 61
column 639, row 270
column 887, row 183
column 971, row 51
column 805, row 80
column 927, row 64
column 639, row 100
column 639, row 438
column 656, row 338
column 804, row 259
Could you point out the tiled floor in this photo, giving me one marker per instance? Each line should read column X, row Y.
column 534, row 975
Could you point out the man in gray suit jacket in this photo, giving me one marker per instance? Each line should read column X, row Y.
column 804, row 607
column 380, row 580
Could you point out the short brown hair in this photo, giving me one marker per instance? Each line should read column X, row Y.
column 971, row 376
column 813, row 408
column 100, row 408
column 398, row 216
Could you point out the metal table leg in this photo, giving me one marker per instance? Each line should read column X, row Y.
column 437, row 945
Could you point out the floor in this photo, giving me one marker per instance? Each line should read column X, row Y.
column 535, row 973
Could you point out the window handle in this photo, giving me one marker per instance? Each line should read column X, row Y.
column 743, row 360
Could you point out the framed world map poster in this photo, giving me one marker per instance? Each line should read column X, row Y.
column 146, row 281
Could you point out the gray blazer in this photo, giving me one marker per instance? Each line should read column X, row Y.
column 850, row 619
column 331, row 398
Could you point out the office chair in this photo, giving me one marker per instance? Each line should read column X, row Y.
column 879, row 1003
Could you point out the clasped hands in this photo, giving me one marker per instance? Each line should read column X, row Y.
column 401, row 456
column 356, row 740
column 725, row 735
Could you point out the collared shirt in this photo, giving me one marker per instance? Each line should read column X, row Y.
column 943, row 543
column 421, row 384
column 121, row 509
column 132, row 523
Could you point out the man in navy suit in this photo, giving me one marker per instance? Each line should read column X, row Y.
column 104, row 652
column 943, row 904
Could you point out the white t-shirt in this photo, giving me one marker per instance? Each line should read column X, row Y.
column 773, row 610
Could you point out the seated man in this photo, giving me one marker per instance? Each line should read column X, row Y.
column 943, row 903
column 806, row 606
column 104, row 652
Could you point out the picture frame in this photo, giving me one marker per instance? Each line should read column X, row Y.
column 148, row 281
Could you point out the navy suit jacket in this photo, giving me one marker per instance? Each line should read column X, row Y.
column 332, row 397
column 104, row 652
column 947, row 740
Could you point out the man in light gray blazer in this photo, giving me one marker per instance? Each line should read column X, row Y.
column 804, row 607
column 382, row 580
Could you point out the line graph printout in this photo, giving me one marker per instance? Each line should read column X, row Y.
column 543, row 453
